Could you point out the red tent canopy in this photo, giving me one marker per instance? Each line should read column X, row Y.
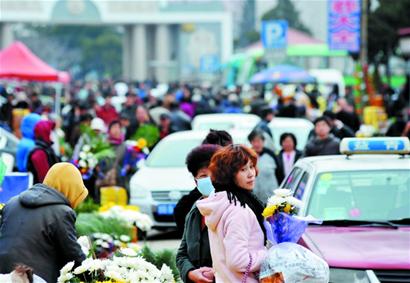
column 17, row 61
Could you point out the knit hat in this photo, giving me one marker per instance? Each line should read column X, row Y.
column 65, row 178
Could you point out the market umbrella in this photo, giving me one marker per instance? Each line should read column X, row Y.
column 282, row 74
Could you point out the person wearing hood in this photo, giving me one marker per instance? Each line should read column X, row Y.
column 193, row 258
column 42, row 156
column 234, row 216
column 324, row 143
column 27, row 143
column 37, row 227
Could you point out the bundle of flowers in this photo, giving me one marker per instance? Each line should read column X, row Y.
column 93, row 152
column 118, row 269
column 149, row 133
column 287, row 261
column 86, row 162
column 135, row 152
column 102, row 245
column 130, row 214
column 280, row 225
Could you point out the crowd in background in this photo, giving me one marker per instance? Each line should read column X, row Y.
column 115, row 111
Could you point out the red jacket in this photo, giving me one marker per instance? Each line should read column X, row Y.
column 107, row 113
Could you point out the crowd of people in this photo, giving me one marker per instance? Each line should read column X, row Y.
column 116, row 112
column 221, row 223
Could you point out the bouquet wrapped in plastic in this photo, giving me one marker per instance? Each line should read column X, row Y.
column 135, row 152
column 287, row 261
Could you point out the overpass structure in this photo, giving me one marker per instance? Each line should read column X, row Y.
column 163, row 39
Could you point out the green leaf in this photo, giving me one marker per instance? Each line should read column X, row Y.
column 148, row 132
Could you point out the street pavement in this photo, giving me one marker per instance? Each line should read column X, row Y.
column 159, row 240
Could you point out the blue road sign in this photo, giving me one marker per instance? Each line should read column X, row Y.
column 209, row 63
column 274, row 34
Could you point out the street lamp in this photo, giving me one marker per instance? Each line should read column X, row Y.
column 404, row 44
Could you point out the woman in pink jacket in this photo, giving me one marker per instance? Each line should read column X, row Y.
column 234, row 216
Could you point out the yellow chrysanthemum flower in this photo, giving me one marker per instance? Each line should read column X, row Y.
column 142, row 143
column 269, row 211
column 287, row 208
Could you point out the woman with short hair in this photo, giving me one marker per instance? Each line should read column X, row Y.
column 234, row 216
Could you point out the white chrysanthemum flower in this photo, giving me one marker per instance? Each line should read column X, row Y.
column 105, row 245
column 125, row 238
column 166, row 274
column 106, row 237
column 65, row 277
column 82, row 164
column 81, row 269
column 84, row 242
column 293, row 201
column 97, row 235
column 96, row 264
column 128, row 252
column 67, row 268
column 86, row 148
column 282, row 192
column 114, row 275
column 82, row 155
column 275, row 200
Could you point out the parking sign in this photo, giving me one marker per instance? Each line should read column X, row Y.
column 274, row 34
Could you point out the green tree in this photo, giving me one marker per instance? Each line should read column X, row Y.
column 384, row 23
column 99, row 47
column 286, row 10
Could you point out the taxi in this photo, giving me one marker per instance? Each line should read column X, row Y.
column 363, row 198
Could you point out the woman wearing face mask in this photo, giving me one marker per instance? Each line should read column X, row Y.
column 234, row 216
column 194, row 257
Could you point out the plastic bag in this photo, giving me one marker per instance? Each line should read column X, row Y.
column 290, row 263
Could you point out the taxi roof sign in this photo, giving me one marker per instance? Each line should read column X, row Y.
column 378, row 145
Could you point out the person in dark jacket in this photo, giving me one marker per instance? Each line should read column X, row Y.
column 42, row 156
column 324, row 143
column 37, row 227
column 185, row 204
column 288, row 155
column 193, row 258
column 267, row 116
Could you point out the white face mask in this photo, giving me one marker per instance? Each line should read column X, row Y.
column 205, row 186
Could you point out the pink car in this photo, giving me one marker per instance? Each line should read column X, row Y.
column 364, row 202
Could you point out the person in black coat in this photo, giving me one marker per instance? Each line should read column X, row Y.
column 288, row 156
column 324, row 143
column 185, row 204
column 37, row 227
column 193, row 258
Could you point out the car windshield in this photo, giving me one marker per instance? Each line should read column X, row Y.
column 171, row 153
column 361, row 195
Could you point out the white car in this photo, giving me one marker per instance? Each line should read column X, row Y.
column 363, row 198
column 164, row 178
column 298, row 126
column 225, row 121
